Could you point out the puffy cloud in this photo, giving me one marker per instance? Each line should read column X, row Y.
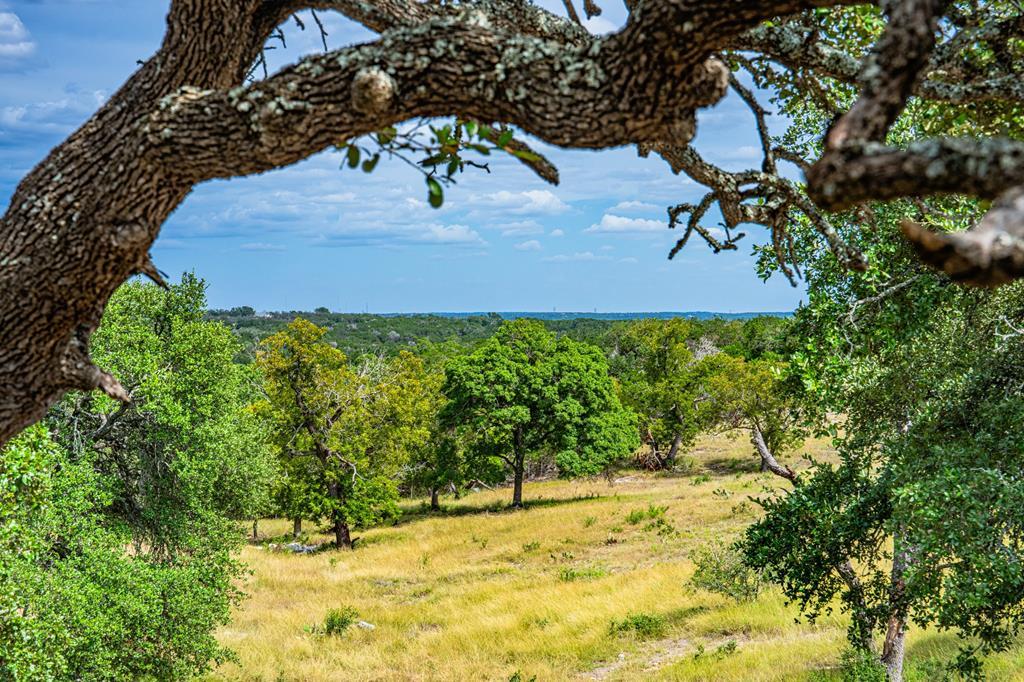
column 529, row 245
column 534, row 201
column 616, row 224
column 15, row 41
column 557, row 233
column 450, row 234
column 635, row 207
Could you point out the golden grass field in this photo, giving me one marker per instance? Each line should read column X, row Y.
column 478, row 592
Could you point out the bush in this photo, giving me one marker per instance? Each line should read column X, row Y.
column 721, row 570
column 640, row 624
column 337, row 621
column 640, row 515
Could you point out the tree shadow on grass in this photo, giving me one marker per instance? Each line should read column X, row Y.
column 722, row 466
column 412, row 514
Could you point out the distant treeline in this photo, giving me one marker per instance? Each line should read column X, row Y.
column 360, row 333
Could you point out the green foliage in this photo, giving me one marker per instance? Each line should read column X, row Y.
column 652, row 512
column 653, row 363
column 643, row 625
column 919, row 382
column 857, row 665
column 337, row 621
column 525, row 393
column 117, row 529
column 720, row 569
column 342, row 432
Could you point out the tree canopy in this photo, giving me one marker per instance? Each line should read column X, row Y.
column 342, row 431
column 524, row 392
column 116, row 520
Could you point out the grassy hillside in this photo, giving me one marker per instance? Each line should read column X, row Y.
column 478, row 592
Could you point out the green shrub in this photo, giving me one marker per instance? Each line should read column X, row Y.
column 337, row 621
column 721, row 570
column 640, row 515
column 641, row 624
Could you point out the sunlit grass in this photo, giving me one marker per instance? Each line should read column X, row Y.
column 479, row 592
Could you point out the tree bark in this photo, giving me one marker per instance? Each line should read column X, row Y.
column 296, row 527
column 342, row 536
column 670, row 459
column 892, row 649
column 83, row 220
column 518, row 468
column 517, row 484
column 255, row 529
column 435, row 502
column 896, row 627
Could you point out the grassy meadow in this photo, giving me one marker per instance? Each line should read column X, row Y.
column 572, row 588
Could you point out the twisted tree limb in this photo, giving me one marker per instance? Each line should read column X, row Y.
column 84, row 219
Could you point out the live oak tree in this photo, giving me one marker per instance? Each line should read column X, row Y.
column 83, row 220
column 524, row 392
column 919, row 520
column 656, row 368
column 343, row 431
column 116, row 519
column 759, row 396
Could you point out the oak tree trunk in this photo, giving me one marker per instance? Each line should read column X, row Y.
column 296, row 528
column 670, row 459
column 342, row 537
column 435, row 502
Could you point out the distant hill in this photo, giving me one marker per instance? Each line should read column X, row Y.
column 580, row 315
column 357, row 333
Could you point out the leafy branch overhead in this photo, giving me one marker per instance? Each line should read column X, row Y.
column 203, row 107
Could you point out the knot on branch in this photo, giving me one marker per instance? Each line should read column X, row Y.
column 372, row 91
column 989, row 254
column 80, row 372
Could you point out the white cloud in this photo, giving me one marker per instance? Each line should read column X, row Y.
column 578, row 257
column 534, row 201
column 635, row 207
column 529, row 245
column 261, row 246
column 15, row 41
column 557, row 233
column 616, row 224
column 629, row 260
column 450, row 234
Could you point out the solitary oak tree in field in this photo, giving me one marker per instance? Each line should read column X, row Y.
column 83, row 220
column 524, row 393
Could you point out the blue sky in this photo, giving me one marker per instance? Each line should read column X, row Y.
column 315, row 234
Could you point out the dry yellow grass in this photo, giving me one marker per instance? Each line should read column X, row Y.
column 481, row 593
